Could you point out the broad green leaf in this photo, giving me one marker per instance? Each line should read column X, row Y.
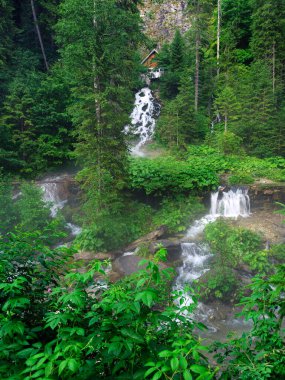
column 187, row 375
column 174, row 362
column 198, row 369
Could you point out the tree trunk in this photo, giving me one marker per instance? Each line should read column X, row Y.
column 39, row 33
column 197, row 61
column 226, row 122
column 218, row 37
column 273, row 67
column 96, row 88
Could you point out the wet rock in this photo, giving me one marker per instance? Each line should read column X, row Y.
column 89, row 256
column 147, row 239
column 126, row 265
column 173, row 247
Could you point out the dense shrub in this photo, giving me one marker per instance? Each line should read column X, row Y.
column 168, row 176
column 57, row 323
column 232, row 247
column 260, row 352
column 245, row 167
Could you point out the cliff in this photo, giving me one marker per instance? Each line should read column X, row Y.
column 162, row 18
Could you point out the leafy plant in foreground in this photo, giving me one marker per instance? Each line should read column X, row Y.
column 259, row 353
column 58, row 323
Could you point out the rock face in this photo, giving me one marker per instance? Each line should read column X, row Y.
column 264, row 196
column 162, row 18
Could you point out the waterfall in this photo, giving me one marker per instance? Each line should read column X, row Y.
column 53, row 190
column 51, row 195
column 195, row 256
column 143, row 119
column 232, row 204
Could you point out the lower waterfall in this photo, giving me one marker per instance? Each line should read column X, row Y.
column 53, row 195
column 195, row 255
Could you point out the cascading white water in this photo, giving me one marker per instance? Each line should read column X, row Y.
column 143, row 119
column 51, row 195
column 194, row 258
column 75, row 230
column 232, row 204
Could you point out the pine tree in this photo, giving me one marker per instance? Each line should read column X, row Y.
column 177, row 54
column 98, row 43
column 201, row 16
column 227, row 105
column 268, row 35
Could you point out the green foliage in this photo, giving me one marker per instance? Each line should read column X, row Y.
column 258, row 353
column 177, row 213
column 8, row 214
column 135, row 219
column 56, row 323
column 277, row 252
column 169, row 176
column 33, row 213
column 27, row 213
column 115, row 230
column 179, row 124
column 229, row 143
column 240, row 179
column 218, row 283
column 239, row 166
column 232, row 247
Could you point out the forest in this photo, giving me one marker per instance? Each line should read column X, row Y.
column 142, row 201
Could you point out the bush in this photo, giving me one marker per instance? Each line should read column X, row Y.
column 113, row 231
column 229, row 143
column 56, row 323
column 240, row 179
column 232, row 246
column 177, row 213
column 218, row 283
column 245, row 167
column 164, row 176
column 260, row 352
column 277, row 252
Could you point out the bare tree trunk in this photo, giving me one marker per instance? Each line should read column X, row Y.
column 273, row 67
column 197, row 63
column 226, row 122
column 39, row 33
column 218, row 37
column 96, row 87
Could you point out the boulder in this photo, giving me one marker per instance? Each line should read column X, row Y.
column 146, row 239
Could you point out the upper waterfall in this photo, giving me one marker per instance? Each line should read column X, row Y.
column 143, row 119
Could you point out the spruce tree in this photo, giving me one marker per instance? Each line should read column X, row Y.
column 268, row 36
column 177, row 55
column 98, row 42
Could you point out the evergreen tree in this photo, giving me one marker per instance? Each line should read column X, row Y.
column 268, row 35
column 227, row 105
column 98, row 44
column 177, row 55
